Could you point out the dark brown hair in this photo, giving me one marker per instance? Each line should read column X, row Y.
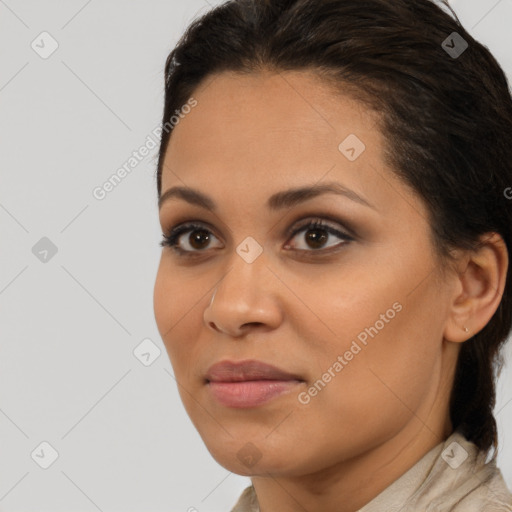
column 446, row 119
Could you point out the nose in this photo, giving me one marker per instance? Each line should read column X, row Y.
column 247, row 297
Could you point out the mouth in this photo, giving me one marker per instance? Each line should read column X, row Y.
column 248, row 383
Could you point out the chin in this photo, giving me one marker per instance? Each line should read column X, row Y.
column 244, row 458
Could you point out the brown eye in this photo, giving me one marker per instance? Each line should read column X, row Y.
column 317, row 234
column 198, row 240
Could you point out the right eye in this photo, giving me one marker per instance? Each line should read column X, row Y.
column 202, row 236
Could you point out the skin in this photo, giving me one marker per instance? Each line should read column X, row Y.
column 249, row 137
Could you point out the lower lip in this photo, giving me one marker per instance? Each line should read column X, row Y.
column 250, row 393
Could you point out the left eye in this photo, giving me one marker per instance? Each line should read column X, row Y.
column 319, row 233
column 201, row 236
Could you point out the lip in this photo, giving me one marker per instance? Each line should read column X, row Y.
column 248, row 383
column 232, row 371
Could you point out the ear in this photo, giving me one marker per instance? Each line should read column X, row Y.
column 479, row 286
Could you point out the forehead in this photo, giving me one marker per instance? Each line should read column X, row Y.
column 250, row 136
column 264, row 121
column 293, row 100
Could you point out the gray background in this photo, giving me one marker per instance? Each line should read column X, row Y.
column 69, row 326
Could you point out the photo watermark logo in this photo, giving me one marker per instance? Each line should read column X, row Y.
column 304, row 397
column 100, row 192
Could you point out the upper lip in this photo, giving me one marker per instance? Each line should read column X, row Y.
column 231, row 371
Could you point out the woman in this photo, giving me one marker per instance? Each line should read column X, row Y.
column 333, row 290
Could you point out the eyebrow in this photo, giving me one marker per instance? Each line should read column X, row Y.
column 278, row 201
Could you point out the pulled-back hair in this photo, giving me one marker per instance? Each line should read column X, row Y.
column 446, row 119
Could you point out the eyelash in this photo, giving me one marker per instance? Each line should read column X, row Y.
column 172, row 239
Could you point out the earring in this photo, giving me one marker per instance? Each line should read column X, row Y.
column 466, row 329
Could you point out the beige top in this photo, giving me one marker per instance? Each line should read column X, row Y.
column 452, row 477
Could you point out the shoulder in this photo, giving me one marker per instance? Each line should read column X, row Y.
column 492, row 495
column 470, row 485
column 247, row 501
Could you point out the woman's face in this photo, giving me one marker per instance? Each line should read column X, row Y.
column 353, row 309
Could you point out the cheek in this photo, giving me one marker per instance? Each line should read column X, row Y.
column 377, row 392
column 170, row 304
column 177, row 303
column 390, row 352
column 402, row 363
column 163, row 300
column 174, row 295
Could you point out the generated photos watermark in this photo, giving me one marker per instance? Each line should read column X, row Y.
column 304, row 397
column 100, row 192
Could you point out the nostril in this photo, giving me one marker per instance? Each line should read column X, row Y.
column 254, row 324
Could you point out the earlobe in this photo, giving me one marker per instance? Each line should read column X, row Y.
column 480, row 282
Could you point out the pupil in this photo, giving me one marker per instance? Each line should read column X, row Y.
column 318, row 240
column 197, row 238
